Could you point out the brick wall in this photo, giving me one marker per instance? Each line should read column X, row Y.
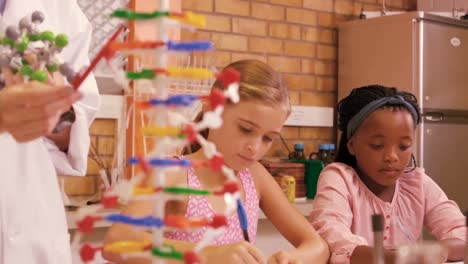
column 296, row 37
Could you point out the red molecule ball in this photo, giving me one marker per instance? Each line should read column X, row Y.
column 191, row 258
column 216, row 98
column 87, row 253
column 228, row 76
column 216, row 163
column 86, row 225
column 110, row 201
column 190, row 133
column 219, row 221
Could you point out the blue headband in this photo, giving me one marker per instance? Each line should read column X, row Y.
column 356, row 121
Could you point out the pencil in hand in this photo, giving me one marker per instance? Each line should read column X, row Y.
column 243, row 219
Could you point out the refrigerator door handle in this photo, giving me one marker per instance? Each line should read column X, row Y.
column 434, row 116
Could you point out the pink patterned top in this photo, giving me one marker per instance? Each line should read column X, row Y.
column 343, row 205
column 198, row 206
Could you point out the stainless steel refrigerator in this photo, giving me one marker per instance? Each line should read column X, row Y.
column 427, row 55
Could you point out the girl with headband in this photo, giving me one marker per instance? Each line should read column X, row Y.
column 375, row 173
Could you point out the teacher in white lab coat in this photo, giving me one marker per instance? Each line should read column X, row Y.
column 33, row 226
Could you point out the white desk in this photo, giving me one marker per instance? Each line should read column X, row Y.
column 269, row 240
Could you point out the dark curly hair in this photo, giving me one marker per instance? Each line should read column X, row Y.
column 349, row 106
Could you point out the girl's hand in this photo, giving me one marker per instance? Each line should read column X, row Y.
column 236, row 253
column 283, row 257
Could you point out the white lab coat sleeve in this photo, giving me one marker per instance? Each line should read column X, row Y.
column 74, row 162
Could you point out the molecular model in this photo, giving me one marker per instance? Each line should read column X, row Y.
column 32, row 54
column 171, row 131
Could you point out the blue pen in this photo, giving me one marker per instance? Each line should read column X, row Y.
column 243, row 219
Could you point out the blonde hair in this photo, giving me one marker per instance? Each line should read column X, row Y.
column 258, row 82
